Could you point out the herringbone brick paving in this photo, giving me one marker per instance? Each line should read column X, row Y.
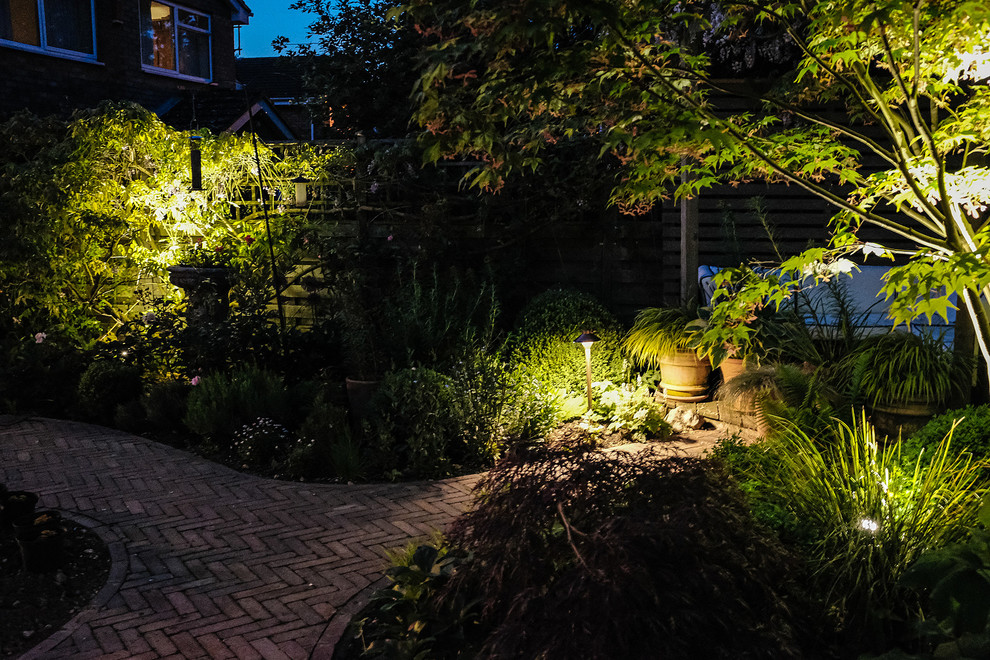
column 209, row 562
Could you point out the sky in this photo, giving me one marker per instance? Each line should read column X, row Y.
column 272, row 18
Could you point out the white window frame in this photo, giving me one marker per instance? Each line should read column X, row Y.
column 175, row 73
column 45, row 49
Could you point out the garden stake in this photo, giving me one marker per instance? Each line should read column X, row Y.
column 268, row 227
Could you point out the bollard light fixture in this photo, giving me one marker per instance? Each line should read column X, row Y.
column 586, row 339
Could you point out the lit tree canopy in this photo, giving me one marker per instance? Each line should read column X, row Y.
column 898, row 85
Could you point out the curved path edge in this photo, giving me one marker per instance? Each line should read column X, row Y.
column 208, row 562
column 115, row 578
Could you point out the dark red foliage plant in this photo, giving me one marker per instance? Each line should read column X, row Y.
column 615, row 555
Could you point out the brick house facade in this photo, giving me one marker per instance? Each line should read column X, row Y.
column 58, row 55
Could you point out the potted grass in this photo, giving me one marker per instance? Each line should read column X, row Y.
column 664, row 338
column 904, row 379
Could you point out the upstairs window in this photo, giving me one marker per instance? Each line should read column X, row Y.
column 175, row 40
column 59, row 27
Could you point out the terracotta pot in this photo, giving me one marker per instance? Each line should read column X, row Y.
column 359, row 395
column 684, row 376
column 902, row 418
column 732, row 367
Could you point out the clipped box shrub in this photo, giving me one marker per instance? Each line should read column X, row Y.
column 542, row 341
column 972, row 433
column 105, row 385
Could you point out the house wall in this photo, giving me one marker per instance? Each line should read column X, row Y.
column 48, row 84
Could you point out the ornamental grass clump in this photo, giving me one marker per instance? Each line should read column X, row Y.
column 867, row 518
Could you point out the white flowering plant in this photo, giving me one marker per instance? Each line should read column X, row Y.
column 260, row 443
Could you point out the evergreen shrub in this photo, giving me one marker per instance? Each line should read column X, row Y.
column 542, row 341
column 972, row 433
column 105, row 385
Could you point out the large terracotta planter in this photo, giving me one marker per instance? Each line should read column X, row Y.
column 684, row 376
column 359, row 395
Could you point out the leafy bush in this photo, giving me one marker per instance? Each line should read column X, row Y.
column 542, row 342
column 415, row 430
column 972, row 433
column 870, row 519
column 409, row 618
column 662, row 544
column 495, row 407
column 433, row 319
column 630, row 410
column 105, row 385
column 39, row 376
column 956, row 584
column 165, row 405
column 326, row 447
column 219, row 405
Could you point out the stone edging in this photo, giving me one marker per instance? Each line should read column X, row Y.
column 118, row 571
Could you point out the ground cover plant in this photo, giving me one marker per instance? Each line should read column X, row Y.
column 34, row 605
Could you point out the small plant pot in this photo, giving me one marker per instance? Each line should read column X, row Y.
column 17, row 504
column 359, row 395
column 732, row 367
column 42, row 553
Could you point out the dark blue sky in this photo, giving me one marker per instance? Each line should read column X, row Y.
column 272, row 18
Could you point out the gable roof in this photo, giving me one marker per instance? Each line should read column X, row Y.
column 241, row 12
column 225, row 111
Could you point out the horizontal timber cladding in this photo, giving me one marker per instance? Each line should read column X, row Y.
column 730, row 231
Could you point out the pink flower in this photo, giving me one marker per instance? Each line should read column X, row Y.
column 195, row 380
column 389, row 237
column 40, row 337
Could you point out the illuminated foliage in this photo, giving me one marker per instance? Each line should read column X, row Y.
column 897, row 83
column 92, row 206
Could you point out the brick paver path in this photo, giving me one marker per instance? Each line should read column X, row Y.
column 209, row 562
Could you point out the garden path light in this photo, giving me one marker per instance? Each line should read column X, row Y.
column 586, row 339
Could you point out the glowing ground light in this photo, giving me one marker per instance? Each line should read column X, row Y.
column 869, row 525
